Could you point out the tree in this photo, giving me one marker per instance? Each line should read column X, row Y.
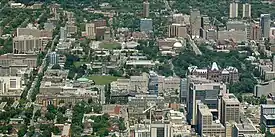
column 50, row 116
column 263, row 99
column 22, row 131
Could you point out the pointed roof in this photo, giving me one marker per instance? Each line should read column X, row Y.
column 214, row 66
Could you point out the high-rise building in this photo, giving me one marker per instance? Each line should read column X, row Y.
column 207, row 92
column 177, row 30
column 206, row 125
column 255, row 33
column 90, row 30
column 246, row 10
column 195, row 22
column 146, row 9
column 233, row 10
column 146, row 25
column 153, row 83
column 230, row 109
column 27, row 44
column 183, row 90
column 63, row 33
column 53, row 57
column 265, row 25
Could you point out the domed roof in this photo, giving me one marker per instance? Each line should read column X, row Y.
column 177, row 45
column 83, row 80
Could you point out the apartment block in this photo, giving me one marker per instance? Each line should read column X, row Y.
column 246, row 10
column 233, row 10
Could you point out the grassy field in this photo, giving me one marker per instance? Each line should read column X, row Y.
column 103, row 80
column 110, row 45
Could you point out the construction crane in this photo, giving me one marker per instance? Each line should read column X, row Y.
column 150, row 109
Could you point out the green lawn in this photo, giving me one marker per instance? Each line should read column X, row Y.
column 103, row 80
column 110, row 45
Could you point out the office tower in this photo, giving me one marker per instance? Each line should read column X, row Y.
column 205, row 26
column 265, row 25
column 195, row 23
column 206, row 125
column 146, row 25
column 63, row 33
column 90, row 30
column 146, row 9
column 27, row 44
column 233, row 10
column 177, row 30
column 53, row 57
column 246, row 10
column 230, row 109
column 183, row 90
column 207, row 92
column 153, row 83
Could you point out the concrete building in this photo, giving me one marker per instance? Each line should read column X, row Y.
column 53, row 57
column 160, row 130
column 177, row 30
column 45, row 34
column 230, row 109
column 90, row 30
column 268, row 117
column 139, row 103
column 207, row 92
column 264, row 89
column 235, row 25
column 211, row 34
column 27, row 44
column 233, row 10
column 255, row 33
column 195, row 22
column 265, row 25
column 146, row 25
column 239, row 130
column 63, row 33
column 206, row 126
column 28, row 60
column 71, row 29
column 246, row 10
column 11, row 87
column 146, row 9
column 235, row 35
